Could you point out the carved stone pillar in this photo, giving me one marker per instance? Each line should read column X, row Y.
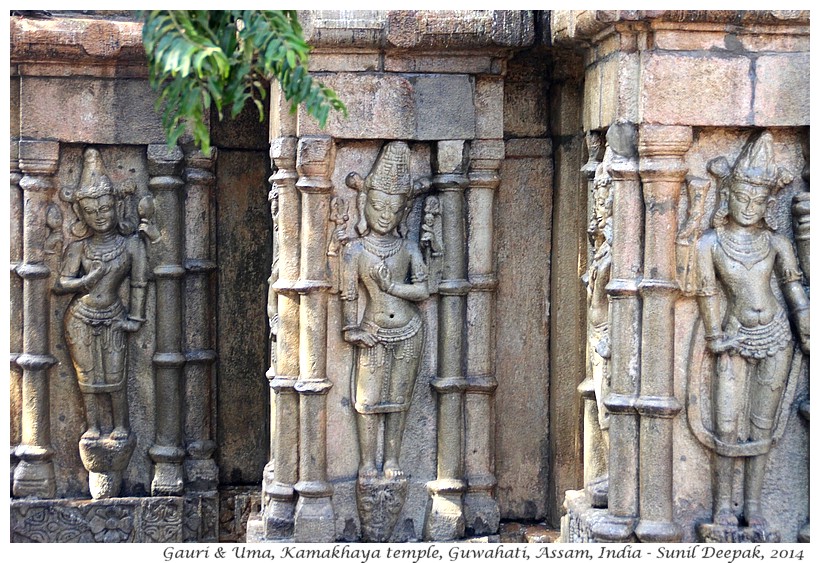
column 625, row 310
column 167, row 451
column 801, row 216
column 201, row 473
column 662, row 172
column 446, row 519
column 314, row 519
column 282, row 472
column 15, row 303
column 34, row 474
column 595, row 452
column 480, row 506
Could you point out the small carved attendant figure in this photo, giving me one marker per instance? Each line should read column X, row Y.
column 598, row 343
column 94, row 268
column 752, row 340
column 390, row 335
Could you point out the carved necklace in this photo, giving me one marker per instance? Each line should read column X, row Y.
column 382, row 247
column 104, row 251
column 747, row 250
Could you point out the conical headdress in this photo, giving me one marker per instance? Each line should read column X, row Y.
column 94, row 182
column 391, row 172
column 756, row 165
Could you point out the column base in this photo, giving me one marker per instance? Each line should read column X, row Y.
column 804, row 535
column 34, row 479
column 481, row 513
column 314, row 521
column 277, row 511
column 201, row 474
column 658, row 532
column 167, row 480
column 445, row 522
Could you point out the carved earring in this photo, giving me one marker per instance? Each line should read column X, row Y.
column 770, row 218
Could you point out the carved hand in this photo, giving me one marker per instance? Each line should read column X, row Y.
column 360, row 337
column 128, row 325
column 803, row 326
column 96, row 272
column 381, row 274
column 720, row 345
column 603, row 348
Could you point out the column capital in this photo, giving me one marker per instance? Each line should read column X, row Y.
column 164, row 161
column 283, row 151
column 664, row 141
column 595, row 145
column 39, row 157
column 314, row 163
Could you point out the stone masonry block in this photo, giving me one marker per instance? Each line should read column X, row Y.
column 696, row 90
column 782, row 90
column 489, row 106
column 98, row 111
column 417, row 107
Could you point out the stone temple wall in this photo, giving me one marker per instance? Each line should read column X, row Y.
column 484, row 295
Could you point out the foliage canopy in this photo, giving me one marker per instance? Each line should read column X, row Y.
column 227, row 57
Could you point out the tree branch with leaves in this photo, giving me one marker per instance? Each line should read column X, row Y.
column 225, row 58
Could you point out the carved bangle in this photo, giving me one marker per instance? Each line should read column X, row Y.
column 390, row 287
column 801, row 309
column 137, row 319
column 711, row 337
column 139, row 285
column 349, row 327
column 85, row 284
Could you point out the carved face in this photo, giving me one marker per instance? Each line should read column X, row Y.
column 100, row 213
column 383, row 212
column 748, row 203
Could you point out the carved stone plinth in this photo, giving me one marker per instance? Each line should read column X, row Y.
column 714, row 533
column 122, row 520
column 105, row 460
column 380, row 501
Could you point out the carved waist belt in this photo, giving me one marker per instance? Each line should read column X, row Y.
column 388, row 335
column 97, row 317
column 758, row 342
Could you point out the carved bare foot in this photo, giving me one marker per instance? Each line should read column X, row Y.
column 756, row 520
column 119, row 433
column 392, row 469
column 725, row 517
column 368, row 471
column 93, row 433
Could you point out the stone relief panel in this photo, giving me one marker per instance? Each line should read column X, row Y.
column 102, row 302
column 107, row 251
column 382, row 326
column 748, row 350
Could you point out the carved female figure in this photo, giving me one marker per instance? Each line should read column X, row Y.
column 390, row 335
column 96, row 321
column 752, row 339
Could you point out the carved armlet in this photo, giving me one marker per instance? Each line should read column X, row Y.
column 791, row 275
column 139, row 284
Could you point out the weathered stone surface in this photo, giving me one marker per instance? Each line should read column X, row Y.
column 524, row 205
column 443, row 29
column 525, row 97
column 696, row 90
column 781, row 96
column 244, row 248
column 344, row 28
column 454, row 63
column 489, row 108
column 415, row 107
column 91, row 111
column 344, row 62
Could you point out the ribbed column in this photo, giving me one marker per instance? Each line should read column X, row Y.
column 662, row 172
column 446, row 519
column 167, row 452
column 34, row 474
column 313, row 520
column 481, row 510
column 595, row 451
column 15, row 304
column 282, row 471
column 201, row 473
column 625, row 334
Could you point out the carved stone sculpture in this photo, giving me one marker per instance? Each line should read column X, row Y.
column 750, row 337
column 389, row 337
column 97, row 321
column 598, row 317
